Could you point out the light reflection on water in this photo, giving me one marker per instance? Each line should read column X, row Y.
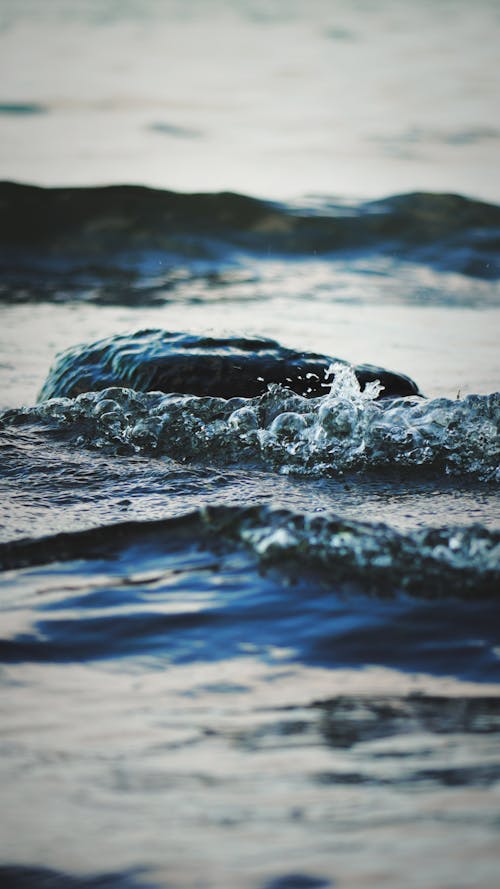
column 220, row 757
column 284, row 99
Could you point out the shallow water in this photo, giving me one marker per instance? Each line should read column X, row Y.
column 249, row 643
column 240, row 696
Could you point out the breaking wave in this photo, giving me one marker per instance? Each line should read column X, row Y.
column 348, row 429
column 429, row 563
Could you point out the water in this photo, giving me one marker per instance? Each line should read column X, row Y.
column 249, row 597
column 266, row 98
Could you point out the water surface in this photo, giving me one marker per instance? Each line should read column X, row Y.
column 249, row 643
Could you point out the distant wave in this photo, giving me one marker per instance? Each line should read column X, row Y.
column 22, row 108
column 96, row 224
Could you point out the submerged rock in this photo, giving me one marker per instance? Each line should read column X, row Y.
column 154, row 360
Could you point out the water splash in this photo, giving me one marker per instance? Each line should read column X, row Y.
column 224, row 367
column 347, row 429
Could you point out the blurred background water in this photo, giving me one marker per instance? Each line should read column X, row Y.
column 276, row 98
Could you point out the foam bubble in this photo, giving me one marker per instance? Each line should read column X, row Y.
column 346, row 429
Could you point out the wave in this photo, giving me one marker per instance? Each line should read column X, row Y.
column 428, row 563
column 222, row 581
column 64, row 225
column 348, row 429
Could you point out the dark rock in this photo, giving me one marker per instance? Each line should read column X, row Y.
column 155, row 360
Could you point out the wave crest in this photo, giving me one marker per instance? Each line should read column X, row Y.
column 445, row 230
column 347, row 429
column 428, row 563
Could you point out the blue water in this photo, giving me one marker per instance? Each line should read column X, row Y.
column 249, row 597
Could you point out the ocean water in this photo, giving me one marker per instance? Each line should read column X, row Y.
column 249, row 438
